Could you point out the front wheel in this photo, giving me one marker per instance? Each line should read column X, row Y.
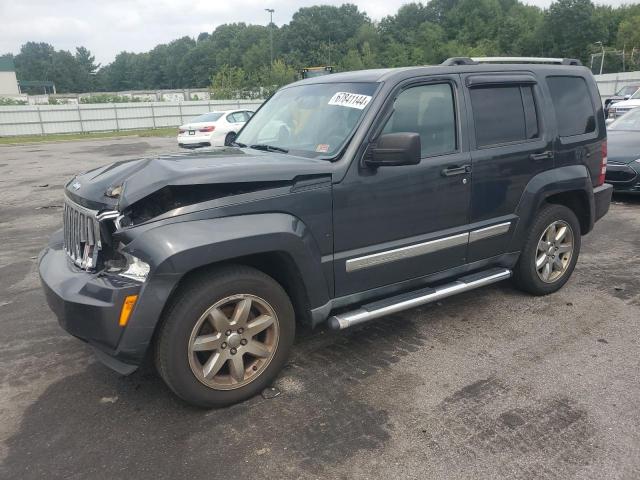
column 225, row 336
column 550, row 252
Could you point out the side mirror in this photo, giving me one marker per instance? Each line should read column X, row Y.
column 394, row 149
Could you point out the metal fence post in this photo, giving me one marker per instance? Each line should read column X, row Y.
column 115, row 111
column 40, row 120
column 80, row 116
column 153, row 115
column 180, row 110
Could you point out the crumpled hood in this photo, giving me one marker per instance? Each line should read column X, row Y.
column 623, row 146
column 142, row 177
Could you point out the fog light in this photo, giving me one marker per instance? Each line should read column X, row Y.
column 127, row 308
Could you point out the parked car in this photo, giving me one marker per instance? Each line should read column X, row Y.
column 346, row 198
column 623, row 170
column 620, row 108
column 213, row 129
column 623, row 94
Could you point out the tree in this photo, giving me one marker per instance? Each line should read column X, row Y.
column 234, row 58
column 87, row 69
column 570, row 27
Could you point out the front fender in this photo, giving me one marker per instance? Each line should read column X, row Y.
column 174, row 249
column 543, row 186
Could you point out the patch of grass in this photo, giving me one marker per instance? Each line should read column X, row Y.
column 65, row 137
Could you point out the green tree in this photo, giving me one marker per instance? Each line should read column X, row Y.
column 571, row 27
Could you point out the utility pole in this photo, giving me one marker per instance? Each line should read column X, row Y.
column 270, row 10
column 602, row 59
column 623, row 48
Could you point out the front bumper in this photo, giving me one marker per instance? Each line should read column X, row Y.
column 88, row 305
column 624, row 177
column 602, row 200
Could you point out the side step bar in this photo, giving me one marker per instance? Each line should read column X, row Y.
column 405, row 301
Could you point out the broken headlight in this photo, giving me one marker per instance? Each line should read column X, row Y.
column 128, row 266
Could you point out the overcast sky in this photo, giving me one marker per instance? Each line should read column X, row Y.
column 107, row 27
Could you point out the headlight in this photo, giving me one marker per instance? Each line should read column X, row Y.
column 127, row 265
column 637, row 160
column 136, row 269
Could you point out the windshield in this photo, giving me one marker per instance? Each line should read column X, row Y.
column 629, row 121
column 310, row 120
column 207, row 117
column 628, row 90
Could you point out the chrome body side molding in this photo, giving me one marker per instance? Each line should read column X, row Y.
column 487, row 232
column 403, row 253
column 410, row 251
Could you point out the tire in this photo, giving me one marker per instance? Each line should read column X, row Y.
column 188, row 340
column 561, row 259
column 229, row 139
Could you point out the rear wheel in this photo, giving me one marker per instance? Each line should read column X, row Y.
column 550, row 252
column 225, row 337
column 229, row 139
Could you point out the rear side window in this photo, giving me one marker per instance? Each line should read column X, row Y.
column 572, row 103
column 504, row 114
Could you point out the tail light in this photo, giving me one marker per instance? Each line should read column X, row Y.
column 181, row 131
column 603, row 164
column 207, row 129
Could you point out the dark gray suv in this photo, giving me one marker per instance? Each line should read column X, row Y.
column 345, row 198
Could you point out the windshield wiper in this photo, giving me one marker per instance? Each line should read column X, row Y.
column 268, row 148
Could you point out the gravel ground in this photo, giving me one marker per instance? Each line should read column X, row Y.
column 490, row 384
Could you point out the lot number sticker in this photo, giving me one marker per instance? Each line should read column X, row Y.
column 351, row 100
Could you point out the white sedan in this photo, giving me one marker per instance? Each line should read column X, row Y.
column 215, row 129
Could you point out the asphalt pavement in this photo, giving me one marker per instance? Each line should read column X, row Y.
column 489, row 384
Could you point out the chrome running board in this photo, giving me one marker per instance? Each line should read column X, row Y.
column 405, row 301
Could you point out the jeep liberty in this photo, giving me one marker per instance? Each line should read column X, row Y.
column 345, row 198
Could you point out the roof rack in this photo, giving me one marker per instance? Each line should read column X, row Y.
column 477, row 60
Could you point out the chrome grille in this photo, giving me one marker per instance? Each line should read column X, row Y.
column 81, row 235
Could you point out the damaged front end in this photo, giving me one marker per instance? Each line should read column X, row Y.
column 102, row 205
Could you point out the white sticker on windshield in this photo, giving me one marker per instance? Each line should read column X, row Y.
column 351, row 100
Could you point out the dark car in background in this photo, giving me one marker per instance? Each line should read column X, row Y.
column 623, row 170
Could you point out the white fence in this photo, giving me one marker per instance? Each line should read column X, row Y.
column 78, row 118
column 45, row 119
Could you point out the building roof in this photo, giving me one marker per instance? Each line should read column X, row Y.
column 6, row 64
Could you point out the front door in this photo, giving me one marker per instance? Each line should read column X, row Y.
column 398, row 223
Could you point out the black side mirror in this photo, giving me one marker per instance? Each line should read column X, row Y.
column 393, row 149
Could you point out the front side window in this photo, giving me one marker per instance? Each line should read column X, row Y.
column 314, row 120
column 572, row 103
column 428, row 110
column 504, row 114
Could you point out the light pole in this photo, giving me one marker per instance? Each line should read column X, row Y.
column 270, row 10
column 602, row 59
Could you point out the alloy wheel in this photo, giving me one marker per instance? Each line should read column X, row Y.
column 554, row 252
column 233, row 342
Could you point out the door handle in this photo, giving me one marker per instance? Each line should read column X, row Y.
column 536, row 157
column 451, row 171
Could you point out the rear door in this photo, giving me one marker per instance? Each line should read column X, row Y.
column 511, row 143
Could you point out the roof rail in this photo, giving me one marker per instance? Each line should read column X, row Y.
column 476, row 60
